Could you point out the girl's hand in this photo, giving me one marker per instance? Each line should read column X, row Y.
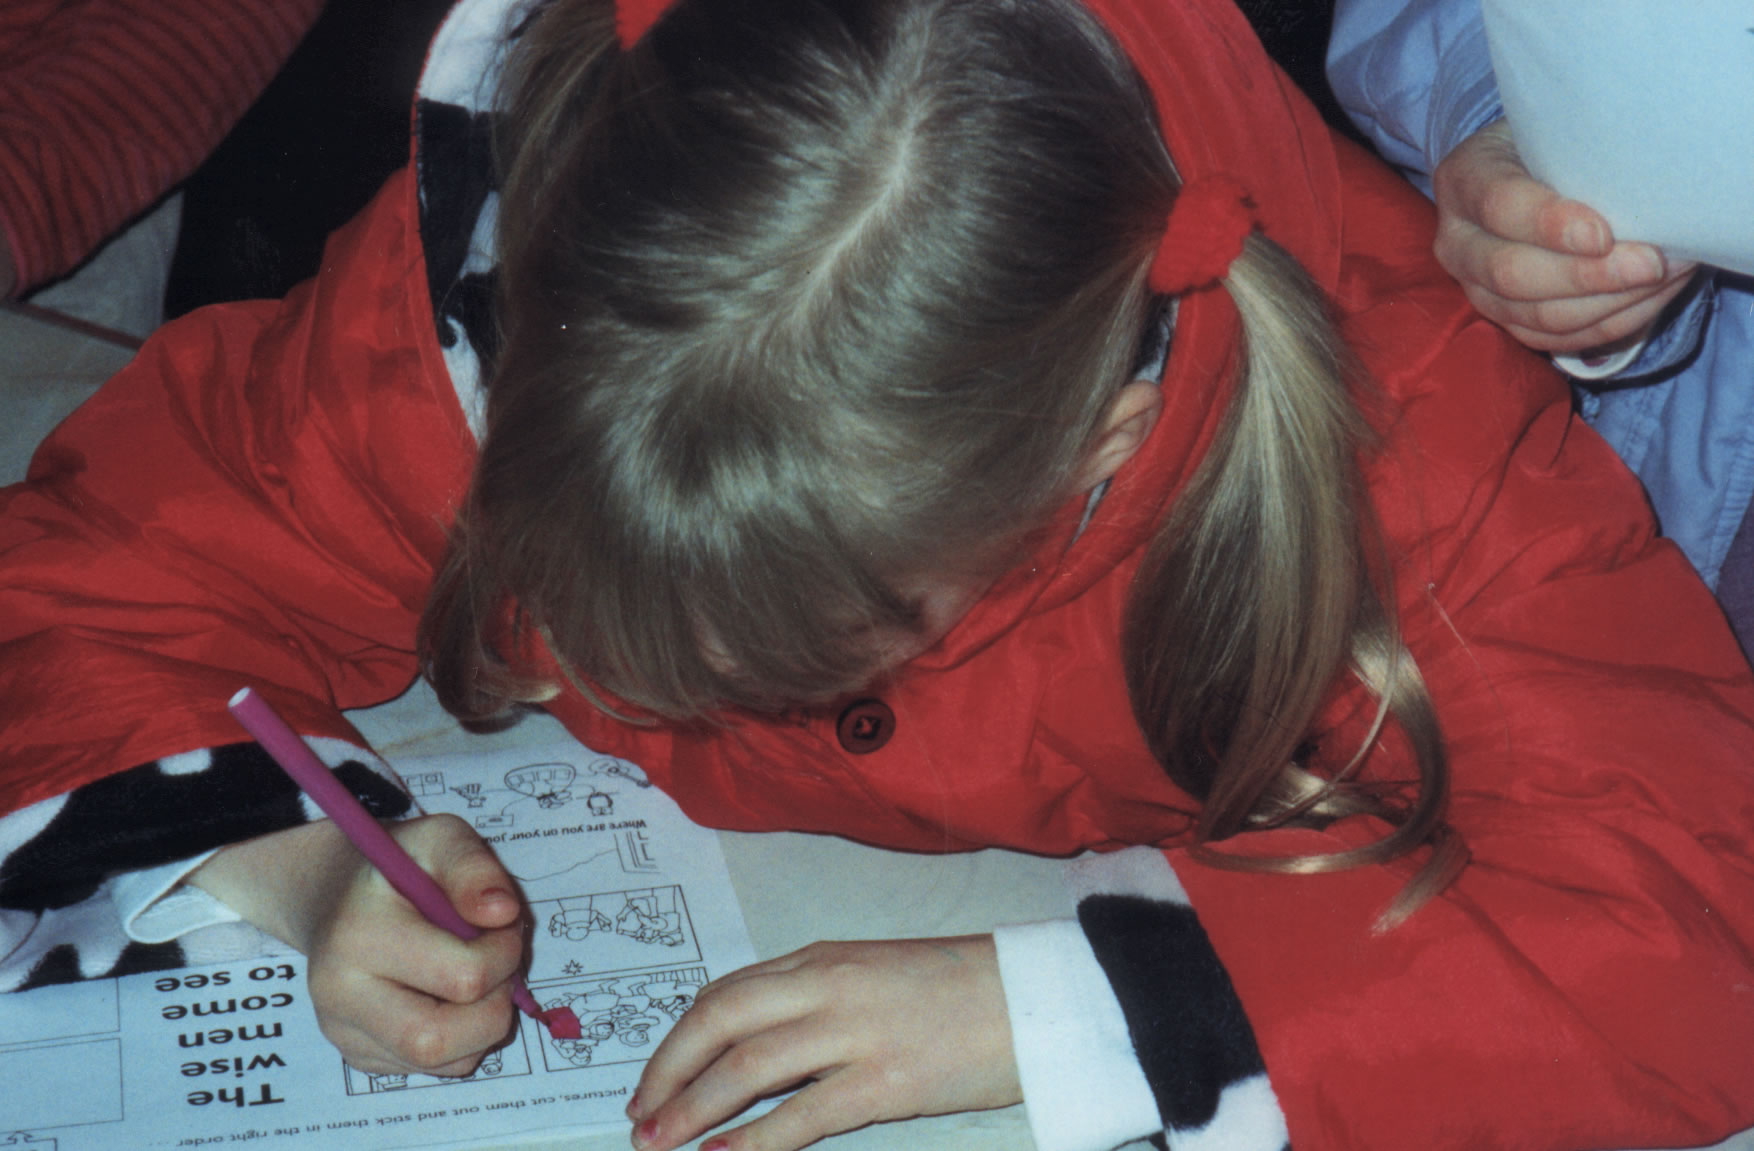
column 394, row 993
column 875, row 1031
column 1544, row 268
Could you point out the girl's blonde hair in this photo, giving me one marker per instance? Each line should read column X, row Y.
column 1258, row 595
column 804, row 300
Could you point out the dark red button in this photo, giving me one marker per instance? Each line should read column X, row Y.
column 865, row 726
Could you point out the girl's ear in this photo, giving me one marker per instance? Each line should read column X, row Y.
column 1131, row 416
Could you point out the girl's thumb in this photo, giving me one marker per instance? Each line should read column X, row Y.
column 478, row 885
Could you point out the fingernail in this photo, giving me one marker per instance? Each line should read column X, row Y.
column 1586, row 237
column 645, row 1133
column 716, row 1143
column 633, row 1106
column 1638, row 265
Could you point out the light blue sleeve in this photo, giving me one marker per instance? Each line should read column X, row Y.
column 1414, row 75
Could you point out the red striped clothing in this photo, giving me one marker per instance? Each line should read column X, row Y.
column 106, row 104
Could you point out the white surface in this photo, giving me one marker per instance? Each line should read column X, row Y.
column 45, row 372
column 1642, row 109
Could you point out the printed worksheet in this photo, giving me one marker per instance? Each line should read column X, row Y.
column 634, row 913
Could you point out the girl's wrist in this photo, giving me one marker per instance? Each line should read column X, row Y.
column 284, row 883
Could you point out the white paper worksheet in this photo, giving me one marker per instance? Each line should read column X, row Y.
column 634, row 913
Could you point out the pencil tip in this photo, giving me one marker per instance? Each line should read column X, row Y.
column 562, row 1023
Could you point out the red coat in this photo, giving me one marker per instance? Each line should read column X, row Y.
column 261, row 497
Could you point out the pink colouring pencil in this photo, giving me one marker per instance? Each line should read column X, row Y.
column 298, row 761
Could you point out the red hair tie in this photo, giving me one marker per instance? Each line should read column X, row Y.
column 634, row 18
column 1208, row 223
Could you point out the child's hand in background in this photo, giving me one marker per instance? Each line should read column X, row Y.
column 393, row 992
column 884, row 1030
column 1545, row 268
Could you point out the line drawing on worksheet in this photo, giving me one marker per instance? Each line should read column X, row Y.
column 621, row 1019
column 588, row 790
column 511, row 1060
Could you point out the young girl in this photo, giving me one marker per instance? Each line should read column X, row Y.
column 925, row 421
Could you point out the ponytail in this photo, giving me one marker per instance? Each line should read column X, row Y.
column 1255, row 597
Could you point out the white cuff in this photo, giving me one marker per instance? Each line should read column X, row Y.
column 155, row 906
column 1082, row 1086
column 1600, row 367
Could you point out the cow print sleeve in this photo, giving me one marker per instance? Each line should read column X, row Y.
column 77, row 872
column 1126, row 1025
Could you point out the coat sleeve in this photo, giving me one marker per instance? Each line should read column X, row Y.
column 259, row 498
column 91, row 880
column 1125, row 1023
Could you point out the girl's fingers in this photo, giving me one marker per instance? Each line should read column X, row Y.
column 838, row 1102
column 1518, row 208
column 396, row 993
column 869, row 1018
column 456, row 972
column 1544, row 267
column 727, row 1013
column 393, row 1029
column 1568, row 321
column 1485, row 184
column 755, row 1068
column 387, row 939
column 450, row 1039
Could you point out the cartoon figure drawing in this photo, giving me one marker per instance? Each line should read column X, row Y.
column 641, row 920
column 652, row 916
column 472, row 793
column 620, row 1018
column 608, row 767
column 670, row 995
column 577, row 923
column 600, row 803
column 422, row 785
column 546, row 783
column 604, row 1018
